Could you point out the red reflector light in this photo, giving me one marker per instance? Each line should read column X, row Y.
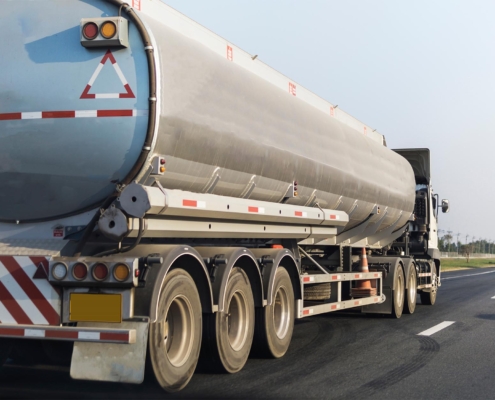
column 90, row 30
column 100, row 271
column 79, row 271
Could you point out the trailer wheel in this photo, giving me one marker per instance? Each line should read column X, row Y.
column 175, row 338
column 275, row 323
column 229, row 334
column 429, row 298
column 398, row 294
column 412, row 291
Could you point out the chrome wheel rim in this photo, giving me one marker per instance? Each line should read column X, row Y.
column 281, row 312
column 177, row 331
column 237, row 321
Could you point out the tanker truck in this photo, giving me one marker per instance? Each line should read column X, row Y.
column 167, row 198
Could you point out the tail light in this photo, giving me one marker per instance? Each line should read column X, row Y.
column 100, row 272
column 79, row 271
column 108, row 29
column 59, row 271
column 90, row 30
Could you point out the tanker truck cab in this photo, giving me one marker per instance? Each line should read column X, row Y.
column 421, row 238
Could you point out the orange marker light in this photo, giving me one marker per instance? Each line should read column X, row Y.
column 121, row 272
column 108, row 30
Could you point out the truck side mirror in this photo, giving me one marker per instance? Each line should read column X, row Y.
column 445, row 206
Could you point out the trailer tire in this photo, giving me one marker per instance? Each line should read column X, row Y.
column 175, row 337
column 411, row 292
column 275, row 322
column 229, row 334
column 398, row 293
column 429, row 298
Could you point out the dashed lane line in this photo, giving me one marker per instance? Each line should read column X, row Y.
column 436, row 328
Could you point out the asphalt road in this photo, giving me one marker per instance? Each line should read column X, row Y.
column 337, row 356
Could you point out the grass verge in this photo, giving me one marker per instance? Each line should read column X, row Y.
column 454, row 264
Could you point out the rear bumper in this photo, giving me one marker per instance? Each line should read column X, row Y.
column 72, row 334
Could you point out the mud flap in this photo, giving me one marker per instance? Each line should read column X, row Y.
column 108, row 361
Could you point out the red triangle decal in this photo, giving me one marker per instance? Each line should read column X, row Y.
column 41, row 271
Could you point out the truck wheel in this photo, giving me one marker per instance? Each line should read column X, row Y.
column 175, row 337
column 229, row 334
column 398, row 294
column 411, row 292
column 429, row 298
column 275, row 323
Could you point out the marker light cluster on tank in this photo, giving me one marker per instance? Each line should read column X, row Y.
column 107, row 29
column 104, row 32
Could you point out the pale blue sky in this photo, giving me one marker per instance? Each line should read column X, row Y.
column 420, row 72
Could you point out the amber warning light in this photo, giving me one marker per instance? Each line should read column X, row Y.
column 104, row 32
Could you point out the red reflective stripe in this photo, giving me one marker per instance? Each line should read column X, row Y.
column 253, row 209
column 13, row 307
column 334, row 307
column 10, row 116
column 86, row 95
column 335, row 277
column 356, row 303
column 189, row 203
column 305, row 312
column 298, row 213
column 108, row 56
column 306, row 279
column 61, row 334
column 114, row 113
column 31, row 290
column 357, row 276
column 58, row 114
column 333, row 217
column 119, row 337
column 129, row 93
column 12, row 331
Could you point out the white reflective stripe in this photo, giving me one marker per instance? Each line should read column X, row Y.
column 89, row 335
column 436, row 328
column 31, row 115
column 120, row 74
column 43, row 285
column 95, row 74
column 107, row 96
column 5, row 316
column 201, row 204
column 21, row 297
column 261, row 210
column 86, row 114
column 34, row 333
column 139, row 113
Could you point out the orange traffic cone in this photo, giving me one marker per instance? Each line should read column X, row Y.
column 363, row 288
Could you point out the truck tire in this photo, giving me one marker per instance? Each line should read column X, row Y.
column 318, row 291
column 229, row 334
column 411, row 293
column 398, row 293
column 275, row 323
column 175, row 337
column 429, row 298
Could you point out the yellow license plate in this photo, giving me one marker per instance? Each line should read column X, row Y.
column 95, row 307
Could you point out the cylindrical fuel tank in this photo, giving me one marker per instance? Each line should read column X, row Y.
column 221, row 128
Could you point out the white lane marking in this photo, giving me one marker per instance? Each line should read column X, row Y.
column 464, row 276
column 493, row 297
column 436, row 328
